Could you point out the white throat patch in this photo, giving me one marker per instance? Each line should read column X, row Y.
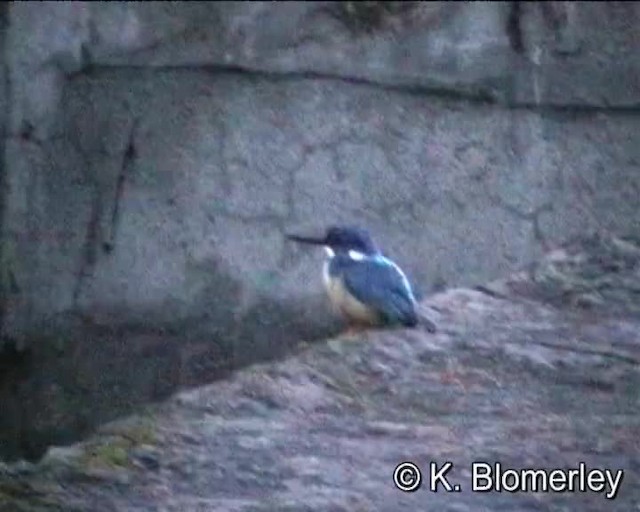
column 354, row 255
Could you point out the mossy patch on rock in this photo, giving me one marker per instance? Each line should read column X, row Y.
column 110, row 454
column 112, row 447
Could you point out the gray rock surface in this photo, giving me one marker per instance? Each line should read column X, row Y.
column 525, row 373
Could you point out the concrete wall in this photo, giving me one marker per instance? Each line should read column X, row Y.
column 153, row 148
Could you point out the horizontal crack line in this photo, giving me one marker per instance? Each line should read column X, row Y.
column 421, row 89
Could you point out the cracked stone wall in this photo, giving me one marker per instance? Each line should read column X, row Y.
column 156, row 153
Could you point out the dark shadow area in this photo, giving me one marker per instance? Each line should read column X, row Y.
column 79, row 374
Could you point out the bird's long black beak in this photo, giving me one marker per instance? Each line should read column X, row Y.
column 307, row 239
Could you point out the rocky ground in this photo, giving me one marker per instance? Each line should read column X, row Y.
column 541, row 370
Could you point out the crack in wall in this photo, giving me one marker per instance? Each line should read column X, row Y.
column 128, row 161
column 98, row 233
column 89, row 248
column 533, row 217
column 331, row 146
column 514, row 28
column 477, row 96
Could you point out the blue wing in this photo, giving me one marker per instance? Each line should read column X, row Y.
column 381, row 285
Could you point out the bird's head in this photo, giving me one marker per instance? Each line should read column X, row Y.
column 341, row 239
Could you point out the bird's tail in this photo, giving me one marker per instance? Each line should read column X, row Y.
column 428, row 325
column 424, row 321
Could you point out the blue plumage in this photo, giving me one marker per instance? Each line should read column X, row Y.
column 361, row 282
column 379, row 284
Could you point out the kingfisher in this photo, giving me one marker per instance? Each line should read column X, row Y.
column 365, row 286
